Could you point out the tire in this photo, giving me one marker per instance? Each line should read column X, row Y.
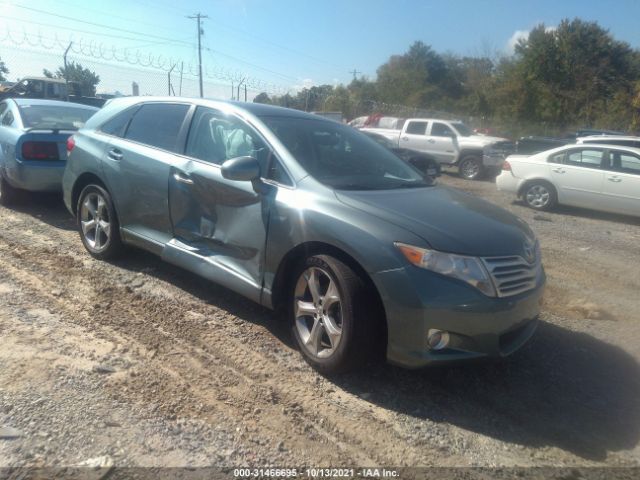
column 8, row 194
column 470, row 167
column 333, row 324
column 540, row 195
column 102, row 239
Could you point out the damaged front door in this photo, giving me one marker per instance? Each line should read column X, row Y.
column 219, row 225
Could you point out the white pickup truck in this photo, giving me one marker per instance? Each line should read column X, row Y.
column 450, row 143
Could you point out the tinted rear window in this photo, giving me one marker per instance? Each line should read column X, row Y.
column 54, row 116
column 157, row 125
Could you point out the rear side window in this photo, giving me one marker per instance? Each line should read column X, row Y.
column 157, row 125
column 7, row 120
column 417, row 128
column 556, row 158
column 588, row 158
column 118, row 124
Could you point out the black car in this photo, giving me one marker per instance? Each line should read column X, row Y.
column 426, row 164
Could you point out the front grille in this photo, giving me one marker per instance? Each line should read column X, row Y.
column 512, row 275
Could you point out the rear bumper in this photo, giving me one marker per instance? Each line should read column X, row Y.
column 506, row 182
column 417, row 300
column 36, row 176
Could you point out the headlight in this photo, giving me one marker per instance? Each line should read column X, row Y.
column 468, row 269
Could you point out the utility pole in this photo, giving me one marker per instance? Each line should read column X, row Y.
column 354, row 72
column 66, row 72
column 199, row 17
column 239, row 85
column 245, row 92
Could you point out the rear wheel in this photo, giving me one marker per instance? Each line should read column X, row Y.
column 8, row 194
column 98, row 223
column 540, row 195
column 333, row 322
column 470, row 167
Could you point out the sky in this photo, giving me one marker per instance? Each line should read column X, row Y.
column 289, row 44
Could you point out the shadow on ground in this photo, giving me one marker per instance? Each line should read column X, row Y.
column 46, row 207
column 565, row 389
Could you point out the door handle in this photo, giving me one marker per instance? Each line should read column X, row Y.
column 182, row 179
column 115, row 154
column 614, row 179
column 558, row 170
column 431, row 140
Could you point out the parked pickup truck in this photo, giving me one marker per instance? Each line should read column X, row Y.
column 451, row 143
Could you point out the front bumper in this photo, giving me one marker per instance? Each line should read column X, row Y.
column 37, row 176
column 418, row 300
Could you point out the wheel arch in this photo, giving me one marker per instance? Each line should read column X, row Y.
column 530, row 181
column 466, row 152
column 280, row 287
column 81, row 182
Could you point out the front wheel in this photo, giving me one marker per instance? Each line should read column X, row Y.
column 332, row 316
column 470, row 167
column 98, row 223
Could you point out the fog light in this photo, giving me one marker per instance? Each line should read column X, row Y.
column 437, row 339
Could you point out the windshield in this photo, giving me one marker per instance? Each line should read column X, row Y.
column 54, row 116
column 341, row 157
column 462, row 129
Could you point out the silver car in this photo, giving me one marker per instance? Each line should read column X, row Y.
column 365, row 256
column 33, row 143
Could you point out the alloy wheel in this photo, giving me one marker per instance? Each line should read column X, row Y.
column 95, row 221
column 470, row 169
column 318, row 312
column 538, row 196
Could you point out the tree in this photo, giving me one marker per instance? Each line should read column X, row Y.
column 86, row 79
column 576, row 70
column 262, row 98
column 3, row 71
column 415, row 78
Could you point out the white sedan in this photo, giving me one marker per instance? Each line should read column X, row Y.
column 596, row 176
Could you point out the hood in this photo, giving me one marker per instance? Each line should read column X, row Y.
column 480, row 140
column 447, row 219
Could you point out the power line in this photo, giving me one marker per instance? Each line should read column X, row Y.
column 100, row 25
column 354, row 72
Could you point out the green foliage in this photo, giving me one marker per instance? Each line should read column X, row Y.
column 83, row 77
column 574, row 75
column 3, row 71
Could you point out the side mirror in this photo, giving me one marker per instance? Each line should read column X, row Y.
column 243, row 169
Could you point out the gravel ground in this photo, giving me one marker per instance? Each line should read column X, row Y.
column 138, row 363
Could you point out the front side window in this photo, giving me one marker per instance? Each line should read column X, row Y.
column 215, row 137
column 341, row 157
column 417, row 128
column 54, row 116
column 625, row 162
column 584, row 158
column 462, row 129
column 441, row 130
column 158, row 125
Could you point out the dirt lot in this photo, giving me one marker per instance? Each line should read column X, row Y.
column 140, row 363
